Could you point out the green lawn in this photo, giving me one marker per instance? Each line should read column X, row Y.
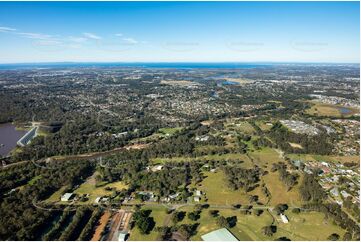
column 217, row 191
column 88, row 188
column 204, row 157
column 323, row 109
column 279, row 194
column 265, row 157
column 308, row 226
column 55, row 197
column 97, row 191
column 159, row 214
column 304, row 226
column 328, row 158
column 170, row 131
column 240, row 126
column 263, row 125
column 34, row 179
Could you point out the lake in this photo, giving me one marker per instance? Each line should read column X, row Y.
column 344, row 110
column 8, row 138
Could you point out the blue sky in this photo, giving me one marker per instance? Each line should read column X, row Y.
column 179, row 31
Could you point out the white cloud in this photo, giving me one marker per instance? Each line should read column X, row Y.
column 119, row 35
column 130, row 40
column 6, row 29
column 35, row 35
column 48, row 42
column 92, row 36
column 77, row 39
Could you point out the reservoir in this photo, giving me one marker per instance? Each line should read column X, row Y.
column 8, row 137
column 344, row 110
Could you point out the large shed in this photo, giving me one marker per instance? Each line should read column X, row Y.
column 219, row 235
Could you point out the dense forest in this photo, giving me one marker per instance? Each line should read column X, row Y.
column 20, row 219
column 318, row 144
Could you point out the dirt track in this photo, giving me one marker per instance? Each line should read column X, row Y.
column 102, row 223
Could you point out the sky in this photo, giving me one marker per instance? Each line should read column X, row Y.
column 179, row 32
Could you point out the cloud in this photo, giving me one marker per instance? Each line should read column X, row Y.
column 6, row 29
column 130, row 40
column 35, row 36
column 92, row 36
column 119, row 35
column 77, row 39
column 49, row 42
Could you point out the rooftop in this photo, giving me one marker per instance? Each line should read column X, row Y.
column 219, row 235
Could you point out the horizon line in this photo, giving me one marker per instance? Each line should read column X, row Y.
column 176, row 62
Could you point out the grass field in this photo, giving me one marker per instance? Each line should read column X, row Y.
column 97, row 191
column 321, row 109
column 304, row 226
column 308, row 226
column 178, row 82
column 279, row 194
column 200, row 158
column 239, row 126
column 328, row 158
column 216, row 190
column 34, row 179
column 159, row 214
column 265, row 157
column 264, row 126
column 88, row 187
column 170, row 131
column 55, row 197
column 278, row 190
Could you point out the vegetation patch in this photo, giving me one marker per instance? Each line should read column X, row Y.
column 217, row 191
column 322, row 109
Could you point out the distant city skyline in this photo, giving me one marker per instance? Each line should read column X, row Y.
column 34, row 32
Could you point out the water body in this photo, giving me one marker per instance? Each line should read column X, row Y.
column 226, row 83
column 229, row 83
column 183, row 65
column 344, row 110
column 8, row 138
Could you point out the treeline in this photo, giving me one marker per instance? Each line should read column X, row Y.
column 311, row 190
column 19, row 219
column 85, row 134
column 76, row 225
column 238, row 177
column 287, row 178
column 143, row 221
column 15, row 176
column 56, row 230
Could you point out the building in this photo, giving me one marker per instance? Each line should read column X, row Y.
column 157, row 168
column 67, row 197
column 345, row 194
column 198, row 193
column 97, row 200
column 284, row 218
column 334, row 191
column 122, row 236
column 202, row 138
column 173, row 196
column 197, row 198
column 219, row 235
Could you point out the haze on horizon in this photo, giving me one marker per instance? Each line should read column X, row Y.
column 179, row 32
